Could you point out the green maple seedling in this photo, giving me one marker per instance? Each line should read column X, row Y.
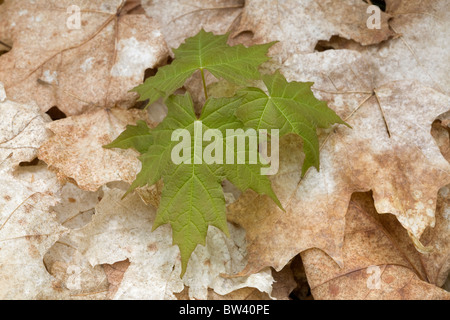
column 192, row 198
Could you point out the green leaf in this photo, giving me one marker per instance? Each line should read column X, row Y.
column 137, row 137
column 290, row 107
column 205, row 51
column 192, row 197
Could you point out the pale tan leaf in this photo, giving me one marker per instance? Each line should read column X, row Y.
column 121, row 229
column 181, row 19
column 22, row 131
column 374, row 266
column 27, row 231
column 81, row 67
column 76, row 150
column 299, row 25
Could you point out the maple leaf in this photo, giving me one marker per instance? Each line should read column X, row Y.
column 278, row 20
column 73, row 68
column 192, row 197
column 380, row 261
column 205, row 51
column 22, row 130
column 290, row 107
column 404, row 170
column 154, row 264
column 76, row 152
column 175, row 17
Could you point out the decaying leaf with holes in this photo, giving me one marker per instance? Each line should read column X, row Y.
column 76, row 67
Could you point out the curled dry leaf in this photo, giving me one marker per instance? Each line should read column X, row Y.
column 388, row 150
column 53, row 61
column 299, row 25
column 374, row 266
column 120, row 230
column 76, row 150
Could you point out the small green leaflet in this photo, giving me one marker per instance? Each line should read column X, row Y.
column 192, row 197
column 290, row 107
column 205, row 51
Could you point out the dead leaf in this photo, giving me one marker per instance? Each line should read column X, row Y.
column 22, row 131
column 74, row 277
column 374, row 266
column 76, row 150
column 389, row 150
column 27, row 230
column 76, row 207
column 76, row 68
column 283, row 285
column 121, row 229
column 115, row 273
column 299, row 25
column 415, row 52
column 183, row 19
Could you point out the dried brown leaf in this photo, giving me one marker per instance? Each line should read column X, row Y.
column 388, row 150
column 76, row 150
column 81, row 68
column 299, row 25
column 374, row 266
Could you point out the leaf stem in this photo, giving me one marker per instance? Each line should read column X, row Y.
column 204, row 83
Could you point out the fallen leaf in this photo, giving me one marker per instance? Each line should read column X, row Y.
column 27, row 230
column 115, row 273
column 374, row 266
column 76, row 207
column 282, row 287
column 417, row 53
column 22, row 131
column 176, row 17
column 74, row 277
column 389, row 150
column 412, row 53
column 76, row 68
column 299, row 25
column 121, row 229
column 76, row 150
